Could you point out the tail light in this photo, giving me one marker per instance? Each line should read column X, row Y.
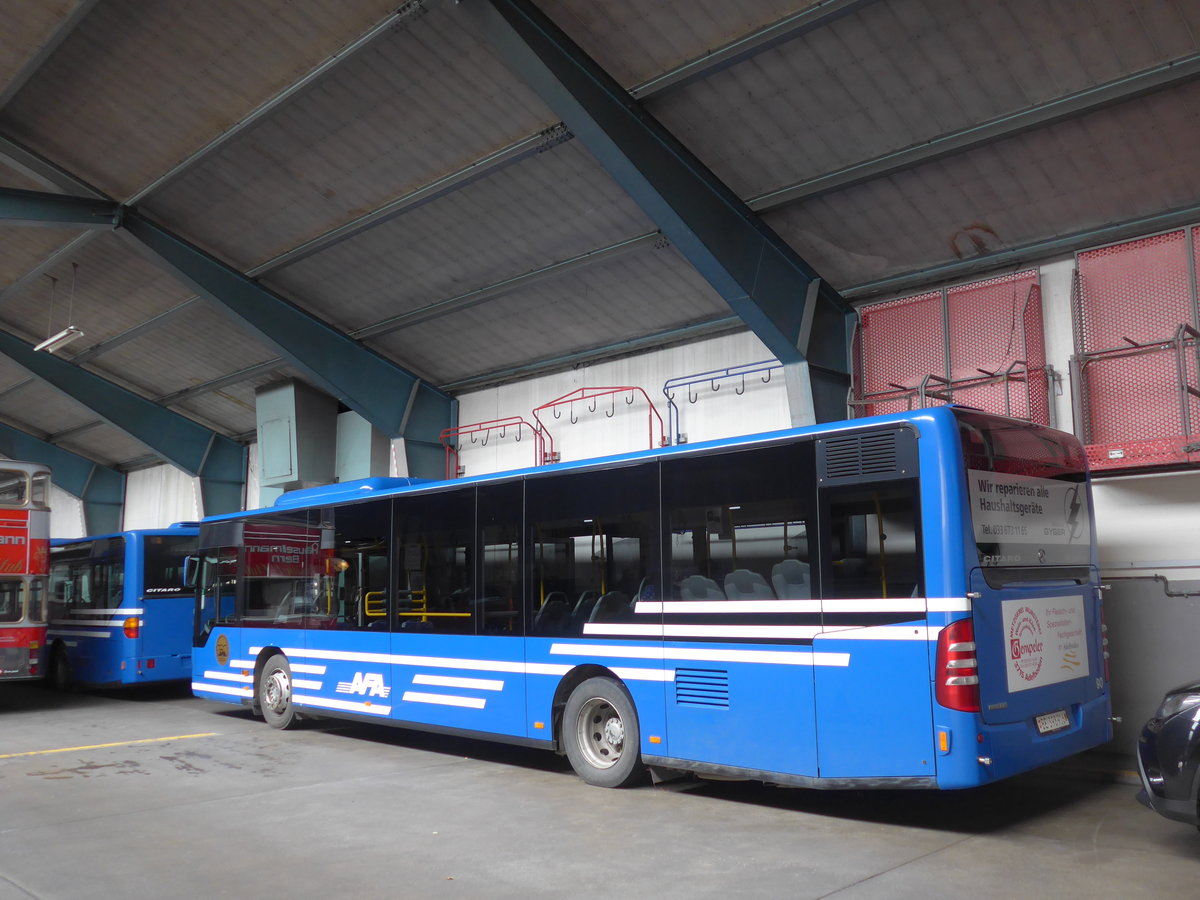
column 958, row 667
column 1104, row 644
column 132, row 627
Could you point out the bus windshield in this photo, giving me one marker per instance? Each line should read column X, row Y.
column 13, row 488
column 1027, row 486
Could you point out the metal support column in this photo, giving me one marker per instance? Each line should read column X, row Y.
column 366, row 382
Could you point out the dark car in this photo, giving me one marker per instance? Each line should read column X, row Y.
column 1169, row 756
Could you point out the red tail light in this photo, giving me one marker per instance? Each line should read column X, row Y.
column 958, row 667
column 1104, row 643
column 132, row 627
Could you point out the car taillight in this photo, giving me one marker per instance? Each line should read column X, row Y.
column 958, row 667
column 132, row 627
column 1104, row 643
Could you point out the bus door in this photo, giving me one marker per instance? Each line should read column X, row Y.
column 457, row 648
column 337, row 603
column 872, row 676
column 165, row 627
column 739, row 611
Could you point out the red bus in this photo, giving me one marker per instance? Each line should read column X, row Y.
column 24, row 565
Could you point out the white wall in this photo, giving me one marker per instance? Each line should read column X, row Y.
column 714, row 414
column 159, row 496
column 66, row 514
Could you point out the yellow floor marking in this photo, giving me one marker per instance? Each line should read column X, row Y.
column 178, row 737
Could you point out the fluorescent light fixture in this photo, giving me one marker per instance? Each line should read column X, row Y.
column 57, row 341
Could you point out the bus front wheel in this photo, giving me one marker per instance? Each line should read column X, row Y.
column 59, row 670
column 275, row 693
column 601, row 736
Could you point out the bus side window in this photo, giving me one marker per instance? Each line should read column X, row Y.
column 737, row 531
column 595, row 550
column 432, row 551
column 873, row 542
column 499, row 510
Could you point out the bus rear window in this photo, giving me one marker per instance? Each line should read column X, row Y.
column 1028, row 491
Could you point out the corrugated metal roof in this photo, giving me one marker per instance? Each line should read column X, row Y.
column 263, row 126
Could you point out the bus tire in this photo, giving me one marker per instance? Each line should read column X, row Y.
column 275, row 693
column 58, row 673
column 601, row 735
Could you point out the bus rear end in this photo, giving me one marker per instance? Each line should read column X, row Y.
column 120, row 613
column 1028, row 667
column 24, row 560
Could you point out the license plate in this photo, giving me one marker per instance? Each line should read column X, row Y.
column 1052, row 721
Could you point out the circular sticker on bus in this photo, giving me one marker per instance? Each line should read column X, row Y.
column 1025, row 643
column 223, row 650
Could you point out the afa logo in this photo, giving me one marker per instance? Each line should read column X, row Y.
column 369, row 684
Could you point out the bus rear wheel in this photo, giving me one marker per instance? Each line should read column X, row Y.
column 601, row 735
column 275, row 693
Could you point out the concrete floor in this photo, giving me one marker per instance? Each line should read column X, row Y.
column 198, row 799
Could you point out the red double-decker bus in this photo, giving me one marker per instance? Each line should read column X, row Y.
column 24, row 565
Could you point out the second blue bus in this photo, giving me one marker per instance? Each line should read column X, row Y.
column 119, row 611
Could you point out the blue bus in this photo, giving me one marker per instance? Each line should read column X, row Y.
column 907, row 601
column 120, row 613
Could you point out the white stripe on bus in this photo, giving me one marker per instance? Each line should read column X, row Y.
column 229, row 676
column 479, row 684
column 305, row 685
column 727, row 606
column 732, row 632
column 303, row 668
column 222, row 689
column 55, row 632
column 883, row 633
column 627, row 674
column 373, row 709
column 855, row 605
column 444, row 700
column 803, row 657
column 117, row 611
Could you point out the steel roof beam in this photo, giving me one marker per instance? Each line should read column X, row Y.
column 460, row 302
column 1025, row 254
column 101, row 489
column 341, row 366
column 998, row 129
column 757, row 273
column 405, row 12
column 743, row 48
column 19, row 207
column 733, row 52
column 17, row 156
column 218, row 461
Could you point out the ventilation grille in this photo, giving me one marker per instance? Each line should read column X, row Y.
column 702, row 687
column 865, row 454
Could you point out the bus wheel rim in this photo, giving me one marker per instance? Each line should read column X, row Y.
column 601, row 733
column 277, row 690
